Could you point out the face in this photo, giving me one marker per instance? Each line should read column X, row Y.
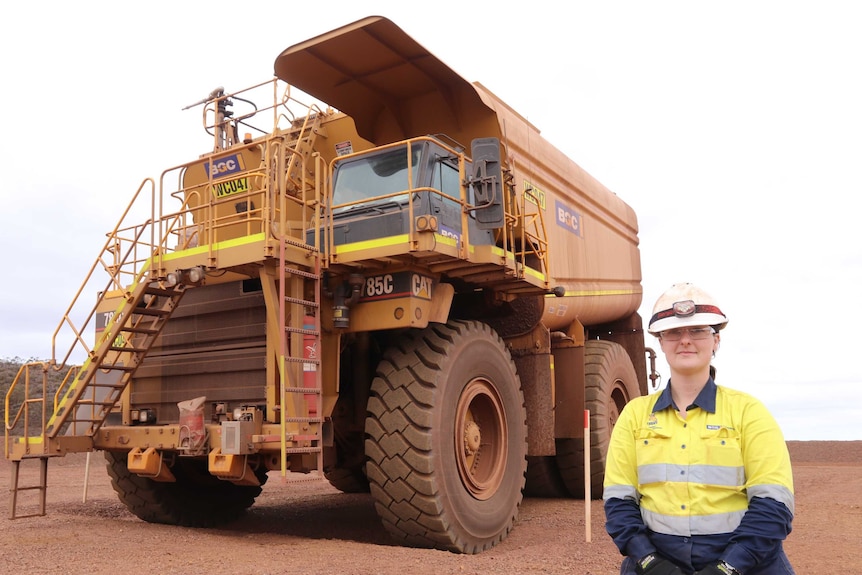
column 689, row 355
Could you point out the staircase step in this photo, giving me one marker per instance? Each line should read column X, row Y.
column 144, row 330
column 302, row 273
column 114, row 367
column 308, row 390
column 152, row 311
column 303, row 450
column 302, row 331
column 93, row 402
column 303, row 419
column 159, row 291
column 311, row 360
column 118, row 385
column 83, row 420
column 297, row 301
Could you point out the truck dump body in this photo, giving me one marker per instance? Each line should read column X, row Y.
column 398, row 90
column 387, row 290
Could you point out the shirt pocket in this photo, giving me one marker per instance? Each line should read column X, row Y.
column 653, row 447
column 722, row 447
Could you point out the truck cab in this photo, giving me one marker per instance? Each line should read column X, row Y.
column 378, row 194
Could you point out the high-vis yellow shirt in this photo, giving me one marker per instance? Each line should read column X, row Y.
column 696, row 476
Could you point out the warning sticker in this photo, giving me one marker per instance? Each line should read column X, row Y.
column 343, row 148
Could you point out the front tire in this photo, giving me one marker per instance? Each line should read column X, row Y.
column 446, row 438
column 196, row 499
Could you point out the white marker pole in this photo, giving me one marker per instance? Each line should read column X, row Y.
column 86, row 476
column 587, row 494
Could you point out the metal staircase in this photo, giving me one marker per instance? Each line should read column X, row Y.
column 84, row 403
column 300, row 145
column 134, row 327
column 299, row 307
column 89, row 393
column 299, row 359
column 300, row 380
column 139, row 258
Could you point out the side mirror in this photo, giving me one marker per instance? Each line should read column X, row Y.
column 487, row 183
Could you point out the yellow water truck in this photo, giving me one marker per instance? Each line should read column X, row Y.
column 380, row 275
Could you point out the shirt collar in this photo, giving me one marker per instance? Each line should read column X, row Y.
column 704, row 400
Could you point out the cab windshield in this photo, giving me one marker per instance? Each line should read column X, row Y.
column 382, row 174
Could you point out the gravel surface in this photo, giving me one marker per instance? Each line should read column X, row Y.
column 310, row 528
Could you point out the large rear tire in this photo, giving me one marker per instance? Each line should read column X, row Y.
column 348, row 473
column 347, row 479
column 611, row 382
column 543, row 478
column 196, row 499
column 446, row 438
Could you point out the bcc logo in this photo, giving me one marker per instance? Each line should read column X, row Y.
column 224, row 166
column 568, row 218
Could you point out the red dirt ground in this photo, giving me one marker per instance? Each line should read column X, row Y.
column 310, row 528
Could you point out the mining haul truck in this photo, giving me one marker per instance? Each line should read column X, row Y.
column 382, row 276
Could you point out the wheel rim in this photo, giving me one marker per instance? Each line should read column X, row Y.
column 480, row 439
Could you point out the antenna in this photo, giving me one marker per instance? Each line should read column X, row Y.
column 215, row 94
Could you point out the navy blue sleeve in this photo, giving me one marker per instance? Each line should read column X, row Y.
column 625, row 525
column 758, row 538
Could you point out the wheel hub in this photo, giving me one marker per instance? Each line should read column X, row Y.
column 472, row 438
column 481, row 439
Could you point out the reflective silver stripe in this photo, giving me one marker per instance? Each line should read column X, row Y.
column 653, row 473
column 718, row 475
column 706, row 474
column 687, row 525
column 621, row 492
column 778, row 492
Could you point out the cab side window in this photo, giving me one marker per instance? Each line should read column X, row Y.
column 445, row 178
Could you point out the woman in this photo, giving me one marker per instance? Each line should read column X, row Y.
column 698, row 477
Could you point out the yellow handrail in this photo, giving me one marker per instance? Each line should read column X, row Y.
column 114, row 269
column 23, row 409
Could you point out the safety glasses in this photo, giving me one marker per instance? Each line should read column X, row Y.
column 694, row 333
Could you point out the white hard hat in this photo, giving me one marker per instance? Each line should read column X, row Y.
column 685, row 305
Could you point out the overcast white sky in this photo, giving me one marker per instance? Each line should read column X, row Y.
column 734, row 129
